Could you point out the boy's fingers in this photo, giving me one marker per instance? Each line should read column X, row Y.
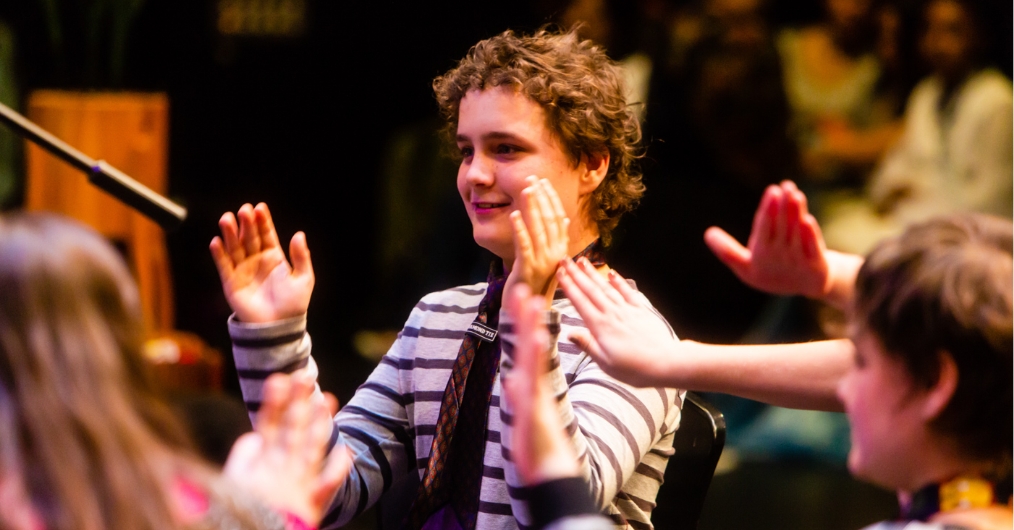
column 230, row 236
column 245, row 450
column 604, row 287
column 808, row 240
column 588, row 289
column 339, row 464
column 269, row 417
column 814, row 236
column 761, row 229
column 800, row 198
column 584, row 340
column 296, row 423
column 522, row 238
column 222, row 260
column 300, row 253
column 791, row 215
column 266, row 227
column 728, row 250
column 626, row 291
column 533, row 217
column 332, row 403
column 319, row 431
column 248, row 232
column 780, row 220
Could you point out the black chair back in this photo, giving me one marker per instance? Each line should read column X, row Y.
column 698, row 444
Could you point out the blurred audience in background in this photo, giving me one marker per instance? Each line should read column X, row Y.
column 832, row 75
column 956, row 149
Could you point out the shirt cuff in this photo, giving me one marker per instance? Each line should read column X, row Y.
column 560, row 498
column 239, row 330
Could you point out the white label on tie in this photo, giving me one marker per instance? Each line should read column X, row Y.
column 485, row 333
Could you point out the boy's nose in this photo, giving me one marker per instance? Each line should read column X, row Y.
column 480, row 172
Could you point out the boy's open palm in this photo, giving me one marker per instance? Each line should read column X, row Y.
column 625, row 336
column 540, row 238
column 785, row 253
column 257, row 280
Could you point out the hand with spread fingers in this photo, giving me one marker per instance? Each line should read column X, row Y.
column 625, row 336
column 540, row 448
column 285, row 461
column 786, row 253
column 258, row 281
column 540, row 237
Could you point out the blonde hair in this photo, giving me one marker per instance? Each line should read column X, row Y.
column 94, row 445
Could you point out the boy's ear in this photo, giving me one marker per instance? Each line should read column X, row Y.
column 596, row 167
column 940, row 394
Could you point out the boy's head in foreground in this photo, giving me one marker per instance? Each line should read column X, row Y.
column 549, row 105
column 929, row 397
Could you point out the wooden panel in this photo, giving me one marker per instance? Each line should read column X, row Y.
column 129, row 131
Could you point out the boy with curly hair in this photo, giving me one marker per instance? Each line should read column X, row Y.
column 548, row 152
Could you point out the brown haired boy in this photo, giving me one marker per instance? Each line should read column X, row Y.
column 547, row 148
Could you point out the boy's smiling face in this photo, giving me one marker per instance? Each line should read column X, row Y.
column 503, row 139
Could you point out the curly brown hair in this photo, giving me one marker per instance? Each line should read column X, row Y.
column 582, row 93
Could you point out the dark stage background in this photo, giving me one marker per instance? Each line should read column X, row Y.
column 301, row 123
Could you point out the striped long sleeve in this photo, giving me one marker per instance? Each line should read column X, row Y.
column 390, row 422
column 621, row 434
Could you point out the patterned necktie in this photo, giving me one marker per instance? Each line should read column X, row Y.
column 454, row 473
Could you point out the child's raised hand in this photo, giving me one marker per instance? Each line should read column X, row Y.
column 540, row 237
column 285, row 460
column 785, row 253
column 540, row 448
column 625, row 336
column 258, row 282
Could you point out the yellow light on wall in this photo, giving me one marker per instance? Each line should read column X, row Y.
column 262, row 18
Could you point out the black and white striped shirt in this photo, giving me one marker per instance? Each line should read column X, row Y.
column 623, row 435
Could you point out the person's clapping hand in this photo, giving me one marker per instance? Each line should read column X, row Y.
column 285, row 460
column 540, row 237
column 786, row 253
column 540, row 448
column 258, row 281
column 624, row 335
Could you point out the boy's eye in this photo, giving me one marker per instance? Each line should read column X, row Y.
column 466, row 151
column 505, row 149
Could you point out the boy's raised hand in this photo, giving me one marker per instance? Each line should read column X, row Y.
column 541, row 237
column 625, row 336
column 258, row 281
column 785, row 253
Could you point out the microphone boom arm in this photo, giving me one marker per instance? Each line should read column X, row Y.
column 166, row 213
